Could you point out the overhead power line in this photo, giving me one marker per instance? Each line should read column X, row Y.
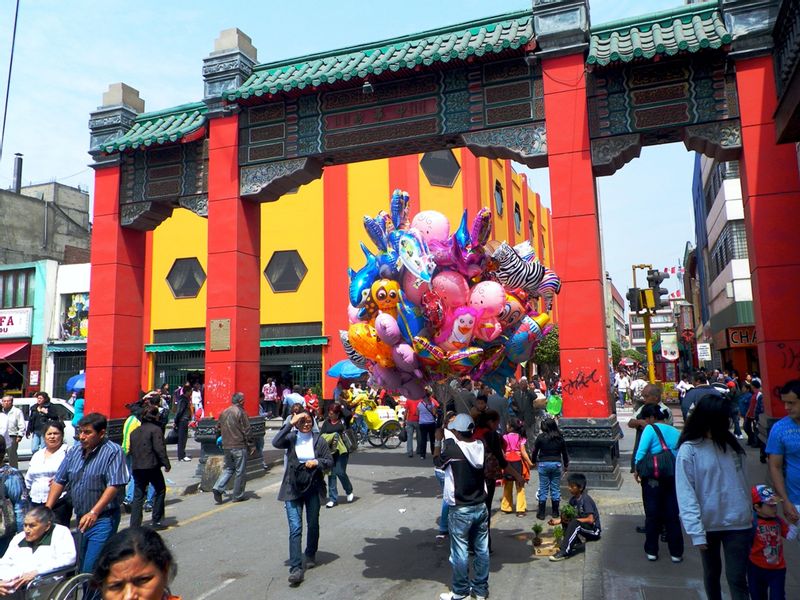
column 8, row 80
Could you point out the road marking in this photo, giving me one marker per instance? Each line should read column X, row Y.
column 218, row 509
column 213, row 591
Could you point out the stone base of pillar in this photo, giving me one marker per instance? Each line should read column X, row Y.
column 593, row 446
column 113, row 431
column 209, row 466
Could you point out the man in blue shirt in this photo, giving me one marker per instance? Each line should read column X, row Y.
column 783, row 448
column 93, row 472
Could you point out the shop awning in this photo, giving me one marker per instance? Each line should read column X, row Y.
column 175, row 347
column 272, row 343
column 8, row 349
column 77, row 347
column 293, row 342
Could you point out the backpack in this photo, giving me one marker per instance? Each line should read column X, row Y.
column 8, row 518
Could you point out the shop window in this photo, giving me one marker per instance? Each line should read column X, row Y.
column 498, row 198
column 186, row 277
column 285, row 271
column 531, row 237
column 440, row 167
column 16, row 288
column 517, row 218
column 74, row 316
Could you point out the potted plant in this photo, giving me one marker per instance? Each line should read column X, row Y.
column 568, row 513
column 537, row 534
column 558, row 534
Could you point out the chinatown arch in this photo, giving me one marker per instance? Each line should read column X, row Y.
column 540, row 87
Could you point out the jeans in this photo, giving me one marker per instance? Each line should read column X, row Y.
column 766, row 583
column 12, row 452
column 443, row 516
column 145, row 479
column 411, row 427
column 661, row 512
column 94, row 538
column 339, row 471
column 426, row 431
column 549, row 481
column 235, row 462
column 183, row 435
column 621, row 396
column 37, row 442
column 469, row 528
column 129, row 489
column 736, row 546
column 294, row 514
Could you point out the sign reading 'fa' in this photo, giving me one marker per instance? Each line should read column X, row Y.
column 15, row 322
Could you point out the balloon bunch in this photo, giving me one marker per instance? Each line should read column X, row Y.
column 430, row 305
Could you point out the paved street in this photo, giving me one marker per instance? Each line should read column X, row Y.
column 382, row 546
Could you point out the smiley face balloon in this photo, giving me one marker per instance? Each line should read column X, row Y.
column 386, row 295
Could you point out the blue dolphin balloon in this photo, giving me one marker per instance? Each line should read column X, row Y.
column 361, row 281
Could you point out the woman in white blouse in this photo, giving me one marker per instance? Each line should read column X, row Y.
column 43, row 466
column 41, row 548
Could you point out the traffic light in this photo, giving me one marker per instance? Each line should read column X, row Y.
column 633, row 300
column 654, row 279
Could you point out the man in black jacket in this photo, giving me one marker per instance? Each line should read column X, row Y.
column 41, row 415
column 183, row 414
column 148, row 455
column 461, row 458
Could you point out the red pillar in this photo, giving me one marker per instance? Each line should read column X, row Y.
column 470, row 182
column 771, row 193
column 404, row 175
column 116, row 295
column 575, row 224
column 233, row 276
column 334, row 190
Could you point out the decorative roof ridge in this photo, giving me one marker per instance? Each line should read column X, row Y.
column 380, row 44
column 667, row 16
column 199, row 106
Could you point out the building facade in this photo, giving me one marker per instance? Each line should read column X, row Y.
column 723, row 266
column 616, row 323
column 294, row 287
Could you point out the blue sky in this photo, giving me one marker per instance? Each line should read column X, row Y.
column 68, row 52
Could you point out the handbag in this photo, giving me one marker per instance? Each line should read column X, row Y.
column 171, row 437
column 403, row 436
column 350, row 439
column 659, row 465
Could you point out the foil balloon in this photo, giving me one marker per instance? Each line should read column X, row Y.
column 514, row 309
column 522, row 342
column 413, row 287
column 353, row 314
column 488, row 297
column 364, row 339
column 355, row 358
column 433, row 309
column 361, row 281
column 399, row 209
column 514, row 272
column 550, row 285
column 432, row 225
column 386, row 295
column 458, row 329
column 415, row 255
column 452, row 288
column 441, row 364
column 409, row 319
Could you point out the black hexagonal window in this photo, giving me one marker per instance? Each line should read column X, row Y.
column 285, row 271
column 186, row 277
column 440, row 167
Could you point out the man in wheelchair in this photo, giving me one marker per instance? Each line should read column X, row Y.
column 42, row 547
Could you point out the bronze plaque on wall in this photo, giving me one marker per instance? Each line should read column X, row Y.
column 220, row 334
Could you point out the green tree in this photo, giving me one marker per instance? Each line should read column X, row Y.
column 547, row 352
column 616, row 353
column 634, row 354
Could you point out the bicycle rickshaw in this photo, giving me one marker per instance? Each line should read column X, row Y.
column 380, row 426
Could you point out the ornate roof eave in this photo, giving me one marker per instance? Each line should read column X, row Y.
column 176, row 125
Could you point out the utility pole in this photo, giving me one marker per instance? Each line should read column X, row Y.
column 646, row 302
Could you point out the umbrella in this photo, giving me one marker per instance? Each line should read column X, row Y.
column 76, row 382
column 345, row 369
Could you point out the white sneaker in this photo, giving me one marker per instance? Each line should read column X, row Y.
column 477, row 597
column 186, row 459
column 676, row 559
column 330, row 504
column 652, row 557
column 350, row 497
column 451, row 596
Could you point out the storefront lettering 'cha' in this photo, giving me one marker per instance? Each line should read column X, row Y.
column 541, row 86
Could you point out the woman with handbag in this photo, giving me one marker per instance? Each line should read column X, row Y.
column 302, row 487
column 334, row 425
column 655, row 471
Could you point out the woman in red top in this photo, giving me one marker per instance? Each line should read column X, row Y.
column 312, row 403
column 412, row 425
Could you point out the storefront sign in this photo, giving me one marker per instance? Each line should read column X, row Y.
column 704, row 352
column 741, row 336
column 15, row 322
column 669, row 345
column 33, row 378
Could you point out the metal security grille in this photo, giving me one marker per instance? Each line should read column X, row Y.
column 66, row 365
column 304, row 363
column 175, row 368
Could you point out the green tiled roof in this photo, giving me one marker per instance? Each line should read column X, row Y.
column 457, row 42
column 685, row 29
column 161, row 127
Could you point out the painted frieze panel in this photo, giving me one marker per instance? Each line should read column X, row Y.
column 661, row 95
column 379, row 119
column 154, row 181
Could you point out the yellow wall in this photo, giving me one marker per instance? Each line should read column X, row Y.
column 294, row 223
column 183, row 235
column 368, row 192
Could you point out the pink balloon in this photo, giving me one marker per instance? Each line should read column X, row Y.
column 432, row 224
column 412, row 291
column 352, row 314
column 451, row 287
column 488, row 296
